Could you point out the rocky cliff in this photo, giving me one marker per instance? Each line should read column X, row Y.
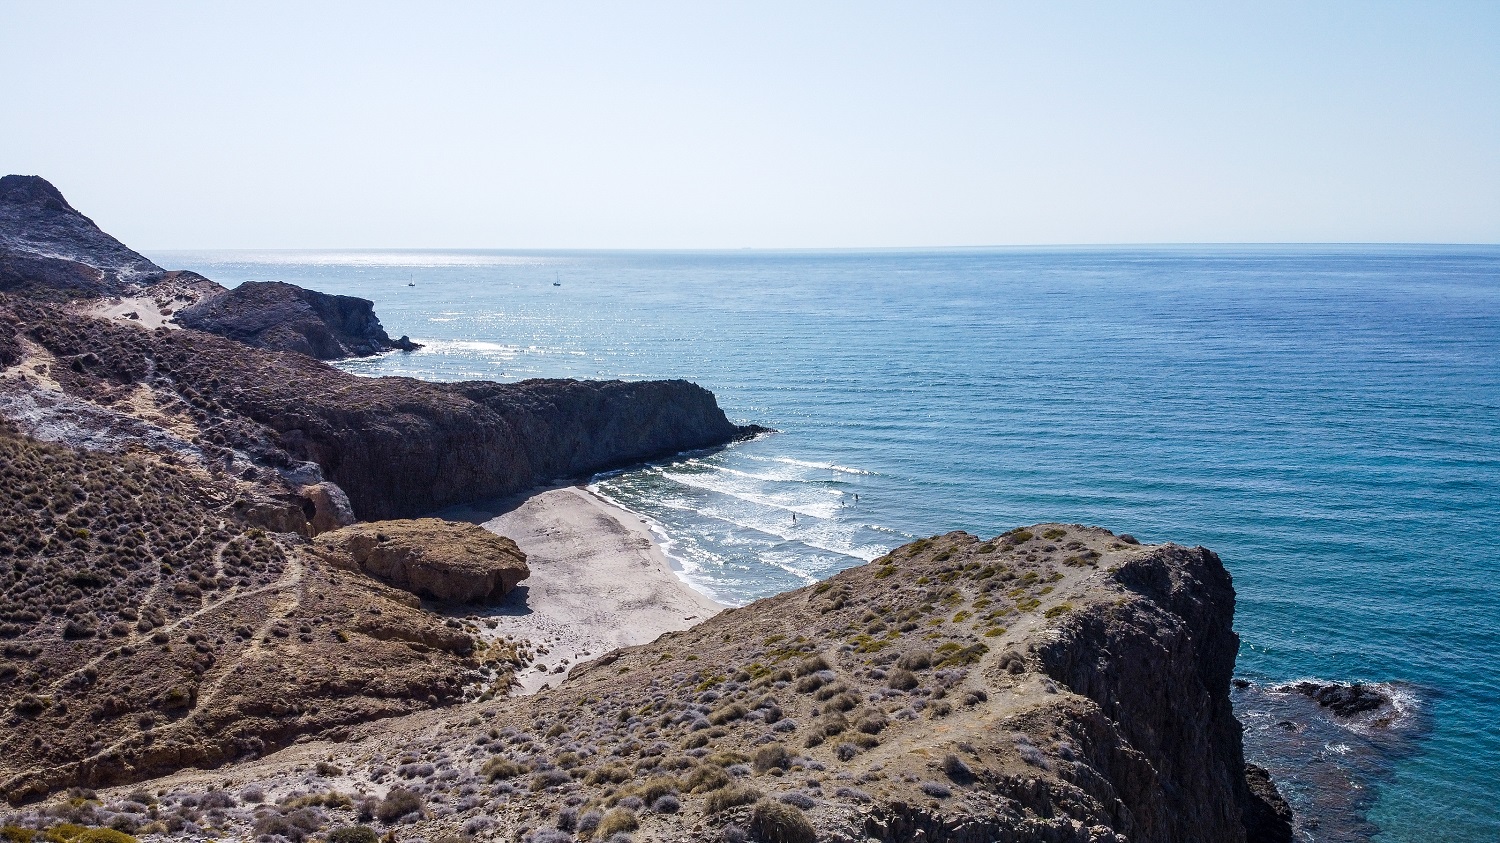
column 398, row 447
column 49, row 250
column 1055, row 683
column 285, row 317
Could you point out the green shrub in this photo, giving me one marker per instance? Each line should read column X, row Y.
column 704, row 778
column 397, row 804
column 1059, row 609
column 727, row 714
column 772, row 755
column 103, row 835
column 500, row 768
column 16, row 834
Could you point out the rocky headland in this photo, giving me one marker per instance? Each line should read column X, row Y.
column 224, row 616
column 285, row 317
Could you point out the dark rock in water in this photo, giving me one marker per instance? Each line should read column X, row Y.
column 285, row 317
column 48, row 248
column 1268, row 818
column 1343, row 700
column 1327, row 765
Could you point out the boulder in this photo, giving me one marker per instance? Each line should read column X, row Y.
column 429, row 557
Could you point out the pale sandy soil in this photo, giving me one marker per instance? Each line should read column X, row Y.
column 146, row 309
column 598, row 581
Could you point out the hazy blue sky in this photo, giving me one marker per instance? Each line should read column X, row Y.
column 180, row 125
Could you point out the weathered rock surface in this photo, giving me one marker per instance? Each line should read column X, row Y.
column 429, row 557
column 1269, row 819
column 46, row 246
column 285, row 317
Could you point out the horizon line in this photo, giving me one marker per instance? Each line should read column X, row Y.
column 853, row 249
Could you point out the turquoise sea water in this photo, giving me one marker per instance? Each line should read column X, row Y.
column 1326, row 418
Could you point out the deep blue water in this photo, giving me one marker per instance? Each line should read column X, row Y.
column 1326, row 418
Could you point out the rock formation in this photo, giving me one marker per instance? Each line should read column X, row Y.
column 285, row 317
column 429, row 557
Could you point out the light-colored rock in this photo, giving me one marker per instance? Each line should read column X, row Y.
column 430, row 557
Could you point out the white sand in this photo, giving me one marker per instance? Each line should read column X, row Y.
column 598, row 580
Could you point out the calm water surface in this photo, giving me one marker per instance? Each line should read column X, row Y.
column 1327, row 419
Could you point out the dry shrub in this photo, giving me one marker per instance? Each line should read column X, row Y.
column 778, row 822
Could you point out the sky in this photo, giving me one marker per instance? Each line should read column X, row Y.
column 763, row 125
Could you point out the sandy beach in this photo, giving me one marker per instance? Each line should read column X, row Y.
column 598, row 580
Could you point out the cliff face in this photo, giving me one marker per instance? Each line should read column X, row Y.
column 285, row 317
column 398, row 447
column 47, row 246
column 1176, row 713
column 48, row 250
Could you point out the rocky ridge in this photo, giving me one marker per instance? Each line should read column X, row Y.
column 47, row 247
column 1054, row 683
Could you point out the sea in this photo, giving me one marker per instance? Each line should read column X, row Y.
column 1326, row 418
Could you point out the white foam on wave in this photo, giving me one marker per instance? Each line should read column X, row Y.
column 825, row 466
column 774, row 477
column 811, row 509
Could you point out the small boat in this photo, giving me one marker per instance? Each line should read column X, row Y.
column 557, row 282
column 411, row 283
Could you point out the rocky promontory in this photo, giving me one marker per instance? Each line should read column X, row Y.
column 285, row 317
column 48, row 248
column 1052, row 683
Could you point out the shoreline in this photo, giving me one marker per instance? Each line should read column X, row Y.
column 599, row 581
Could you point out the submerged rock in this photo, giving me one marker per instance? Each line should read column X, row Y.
column 430, row 557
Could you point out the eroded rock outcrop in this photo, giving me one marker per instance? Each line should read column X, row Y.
column 429, row 557
column 284, row 317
